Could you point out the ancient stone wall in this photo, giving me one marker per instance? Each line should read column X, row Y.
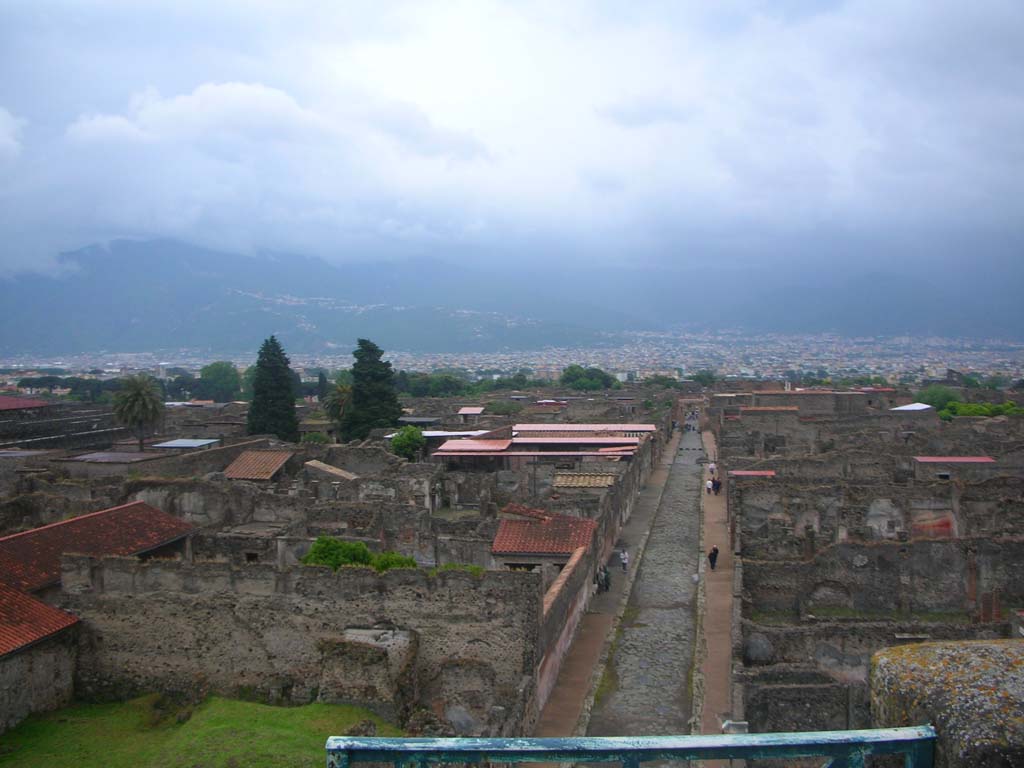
column 888, row 579
column 37, row 679
column 262, row 631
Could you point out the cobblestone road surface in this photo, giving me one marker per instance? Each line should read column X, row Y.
column 645, row 689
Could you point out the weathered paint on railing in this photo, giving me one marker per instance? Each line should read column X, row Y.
column 845, row 748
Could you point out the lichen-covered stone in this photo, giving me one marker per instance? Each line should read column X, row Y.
column 972, row 692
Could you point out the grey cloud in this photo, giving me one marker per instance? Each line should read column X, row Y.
column 10, row 129
column 641, row 114
column 411, row 128
column 348, row 130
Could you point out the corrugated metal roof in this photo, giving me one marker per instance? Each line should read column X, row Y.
column 25, row 620
column 475, row 445
column 542, row 533
column 186, row 442
column 31, row 560
column 8, row 403
column 559, row 427
column 471, row 410
column 114, row 457
column 257, row 465
column 584, row 480
column 751, row 473
column 539, row 454
column 577, row 440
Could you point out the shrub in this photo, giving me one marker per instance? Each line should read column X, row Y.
column 385, row 561
column 335, row 553
column 408, row 442
column 316, row 438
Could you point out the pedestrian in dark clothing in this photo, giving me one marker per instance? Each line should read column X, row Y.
column 716, row 485
column 713, row 556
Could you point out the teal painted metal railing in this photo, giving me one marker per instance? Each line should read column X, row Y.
column 844, row 749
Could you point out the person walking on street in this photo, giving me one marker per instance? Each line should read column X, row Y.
column 624, row 559
column 712, row 468
column 709, row 486
column 713, row 556
column 716, row 485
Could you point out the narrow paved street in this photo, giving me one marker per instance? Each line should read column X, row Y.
column 645, row 688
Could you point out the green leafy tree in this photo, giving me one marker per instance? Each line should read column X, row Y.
column 587, row 379
column 138, row 406
column 335, row 403
column 248, row 377
column 705, row 377
column 408, row 442
column 937, row 396
column 220, row 382
column 503, row 408
column 321, row 386
column 273, row 395
column 374, row 401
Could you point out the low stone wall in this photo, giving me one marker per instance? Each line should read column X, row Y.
column 262, row 631
column 564, row 604
column 37, row 679
column 973, row 693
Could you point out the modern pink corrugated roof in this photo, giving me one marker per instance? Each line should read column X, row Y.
column 543, row 454
column 560, row 427
column 8, row 403
column 474, row 445
column 471, row 410
column 955, row 459
column 752, row 473
column 582, row 439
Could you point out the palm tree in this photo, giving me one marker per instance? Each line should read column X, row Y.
column 138, row 405
column 336, row 402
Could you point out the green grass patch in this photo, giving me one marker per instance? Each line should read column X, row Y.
column 220, row 733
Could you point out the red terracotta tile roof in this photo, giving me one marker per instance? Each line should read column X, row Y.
column 31, row 560
column 541, row 533
column 25, row 620
column 18, row 403
column 257, row 465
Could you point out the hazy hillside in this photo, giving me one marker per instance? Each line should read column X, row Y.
column 134, row 295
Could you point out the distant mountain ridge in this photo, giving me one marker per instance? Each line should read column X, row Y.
column 163, row 294
column 137, row 296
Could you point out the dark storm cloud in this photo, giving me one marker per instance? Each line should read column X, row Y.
column 657, row 131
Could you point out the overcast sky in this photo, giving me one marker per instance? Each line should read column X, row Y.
column 619, row 131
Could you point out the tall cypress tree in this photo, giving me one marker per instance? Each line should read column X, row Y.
column 273, row 395
column 374, row 402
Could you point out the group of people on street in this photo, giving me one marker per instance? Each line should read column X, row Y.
column 603, row 577
column 714, row 484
